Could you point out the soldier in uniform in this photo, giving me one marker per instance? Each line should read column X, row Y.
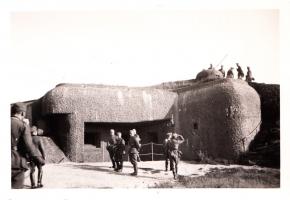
column 120, row 151
column 134, row 148
column 222, row 71
column 240, row 71
column 230, row 73
column 21, row 144
column 166, row 151
column 249, row 76
column 175, row 153
column 210, row 67
column 111, row 144
column 41, row 156
column 138, row 140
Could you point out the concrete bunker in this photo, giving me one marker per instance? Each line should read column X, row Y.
column 218, row 117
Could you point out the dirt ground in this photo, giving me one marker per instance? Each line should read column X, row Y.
column 100, row 175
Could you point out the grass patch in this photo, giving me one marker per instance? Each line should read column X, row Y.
column 228, row 178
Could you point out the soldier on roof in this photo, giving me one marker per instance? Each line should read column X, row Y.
column 240, row 71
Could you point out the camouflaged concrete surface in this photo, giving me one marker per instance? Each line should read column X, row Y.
column 109, row 104
column 217, row 116
column 227, row 115
column 209, row 74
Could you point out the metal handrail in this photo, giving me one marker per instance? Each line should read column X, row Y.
column 152, row 150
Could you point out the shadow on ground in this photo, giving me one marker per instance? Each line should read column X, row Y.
column 108, row 170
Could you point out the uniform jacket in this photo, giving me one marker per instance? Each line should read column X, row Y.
column 39, row 146
column 21, row 143
column 111, row 143
column 134, row 145
column 120, row 145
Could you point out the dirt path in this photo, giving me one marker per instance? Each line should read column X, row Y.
column 100, row 175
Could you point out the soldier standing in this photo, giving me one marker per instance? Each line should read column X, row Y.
column 166, row 151
column 40, row 154
column 222, row 71
column 210, row 67
column 240, row 71
column 138, row 140
column 230, row 73
column 134, row 147
column 249, row 76
column 120, row 151
column 21, row 143
column 111, row 147
column 175, row 153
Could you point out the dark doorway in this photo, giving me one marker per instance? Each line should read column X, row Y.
column 153, row 137
column 92, row 138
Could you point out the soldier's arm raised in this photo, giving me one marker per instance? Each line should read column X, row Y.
column 181, row 139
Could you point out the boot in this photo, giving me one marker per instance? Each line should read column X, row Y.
column 113, row 164
column 174, row 176
column 166, row 165
column 135, row 173
column 32, row 179
column 121, row 166
column 116, row 168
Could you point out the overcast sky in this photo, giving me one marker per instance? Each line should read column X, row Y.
column 138, row 48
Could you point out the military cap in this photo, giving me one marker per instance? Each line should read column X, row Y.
column 18, row 107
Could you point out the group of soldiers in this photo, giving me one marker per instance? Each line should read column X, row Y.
column 27, row 151
column 116, row 149
column 230, row 72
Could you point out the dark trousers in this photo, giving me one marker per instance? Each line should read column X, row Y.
column 17, row 179
column 119, row 160
column 133, row 157
column 174, row 160
column 167, row 161
column 112, row 157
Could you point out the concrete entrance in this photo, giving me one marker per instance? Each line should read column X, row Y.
column 96, row 136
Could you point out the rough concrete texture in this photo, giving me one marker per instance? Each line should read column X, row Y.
column 219, row 118
column 53, row 153
column 109, row 104
column 209, row 74
column 95, row 103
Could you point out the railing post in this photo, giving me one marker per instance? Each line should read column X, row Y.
column 152, row 150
